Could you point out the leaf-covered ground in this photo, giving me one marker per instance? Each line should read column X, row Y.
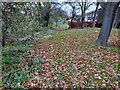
column 71, row 59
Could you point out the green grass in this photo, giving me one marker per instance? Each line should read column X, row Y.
column 79, row 46
column 73, row 53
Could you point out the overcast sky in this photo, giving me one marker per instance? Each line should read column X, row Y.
column 68, row 9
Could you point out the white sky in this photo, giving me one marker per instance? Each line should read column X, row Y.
column 67, row 8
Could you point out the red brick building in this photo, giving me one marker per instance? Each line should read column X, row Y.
column 98, row 20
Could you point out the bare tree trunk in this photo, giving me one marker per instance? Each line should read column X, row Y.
column 46, row 13
column 4, row 29
column 93, row 23
column 46, row 18
column 83, row 18
column 82, row 21
column 3, row 39
column 56, row 23
column 109, row 16
column 73, row 15
column 78, row 22
column 70, row 23
column 39, row 12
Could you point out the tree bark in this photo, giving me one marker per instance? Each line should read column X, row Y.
column 109, row 16
column 46, row 18
column 82, row 21
column 83, row 18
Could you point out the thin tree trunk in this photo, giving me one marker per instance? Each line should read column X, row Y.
column 83, row 18
column 56, row 23
column 38, row 9
column 4, row 29
column 3, row 39
column 46, row 14
column 82, row 21
column 73, row 15
column 78, row 22
column 115, row 20
column 46, row 18
column 109, row 16
column 71, row 22
column 93, row 23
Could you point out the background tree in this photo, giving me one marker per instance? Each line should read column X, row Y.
column 84, row 5
column 8, row 11
column 46, row 9
column 16, row 17
column 57, row 14
column 74, row 9
column 23, row 18
column 39, row 7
